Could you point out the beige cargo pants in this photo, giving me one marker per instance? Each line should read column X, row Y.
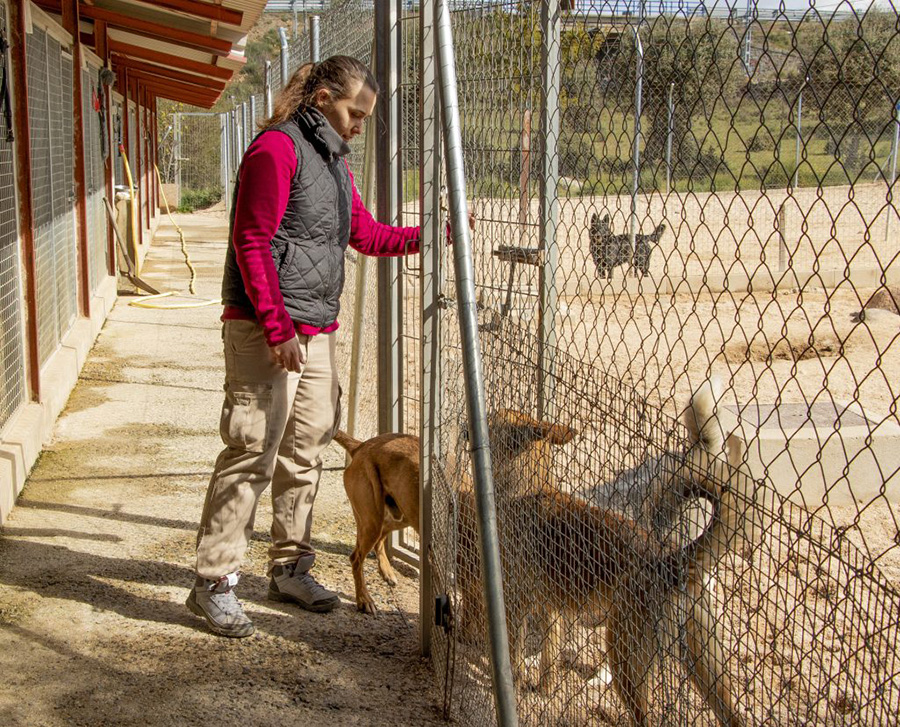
column 274, row 425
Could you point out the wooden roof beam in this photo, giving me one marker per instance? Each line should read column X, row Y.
column 163, row 87
column 205, row 10
column 166, row 33
column 155, row 56
column 199, row 81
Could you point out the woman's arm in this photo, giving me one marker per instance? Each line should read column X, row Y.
column 265, row 182
column 376, row 238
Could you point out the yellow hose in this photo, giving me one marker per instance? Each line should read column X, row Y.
column 134, row 220
column 145, row 300
column 187, row 258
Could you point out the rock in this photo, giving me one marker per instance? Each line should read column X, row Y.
column 885, row 299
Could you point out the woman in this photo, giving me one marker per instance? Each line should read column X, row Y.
column 295, row 211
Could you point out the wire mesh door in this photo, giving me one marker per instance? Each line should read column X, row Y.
column 12, row 361
column 686, row 256
column 52, row 188
column 94, row 178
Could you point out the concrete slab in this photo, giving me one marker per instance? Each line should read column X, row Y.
column 822, row 452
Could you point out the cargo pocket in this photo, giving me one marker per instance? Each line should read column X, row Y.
column 245, row 416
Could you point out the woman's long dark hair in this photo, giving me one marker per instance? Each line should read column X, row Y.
column 337, row 74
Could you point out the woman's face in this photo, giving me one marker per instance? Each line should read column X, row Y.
column 347, row 115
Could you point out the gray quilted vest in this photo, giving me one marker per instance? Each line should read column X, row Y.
column 308, row 246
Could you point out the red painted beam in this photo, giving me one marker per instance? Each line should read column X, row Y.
column 199, row 81
column 70, row 23
column 181, row 96
column 177, row 86
column 207, row 11
column 26, row 210
column 145, row 27
column 185, row 64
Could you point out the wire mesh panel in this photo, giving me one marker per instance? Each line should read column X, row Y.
column 95, row 178
column 12, row 361
column 347, row 28
column 62, row 134
column 117, row 139
column 686, row 272
column 199, row 163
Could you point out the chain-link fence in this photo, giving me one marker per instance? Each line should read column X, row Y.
column 12, row 357
column 655, row 211
column 668, row 195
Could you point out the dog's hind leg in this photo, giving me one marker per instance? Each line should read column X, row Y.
column 707, row 662
column 384, row 563
column 367, row 535
column 551, row 649
column 629, row 659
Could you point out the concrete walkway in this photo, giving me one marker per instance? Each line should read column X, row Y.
column 95, row 561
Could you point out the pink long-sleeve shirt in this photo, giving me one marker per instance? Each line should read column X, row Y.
column 267, row 169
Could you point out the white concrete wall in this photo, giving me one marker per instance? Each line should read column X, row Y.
column 30, row 428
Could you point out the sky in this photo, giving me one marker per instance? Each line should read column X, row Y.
column 741, row 5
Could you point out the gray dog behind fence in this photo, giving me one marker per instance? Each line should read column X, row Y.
column 610, row 250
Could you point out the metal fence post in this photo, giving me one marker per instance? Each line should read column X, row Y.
column 799, row 133
column 893, row 178
column 252, row 125
column 267, row 84
column 669, row 134
column 550, row 83
column 314, row 48
column 638, row 90
column 430, row 290
column 245, row 127
column 224, row 161
column 285, row 55
column 359, row 299
column 492, row 572
column 176, row 123
column 390, row 308
column 748, row 35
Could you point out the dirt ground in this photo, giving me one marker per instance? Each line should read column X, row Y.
column 96, row 559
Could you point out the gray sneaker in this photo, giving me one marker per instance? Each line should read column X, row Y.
column 215, row 601
column 289, row 585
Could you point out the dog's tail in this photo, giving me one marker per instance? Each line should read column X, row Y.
column 702, row 417
column 714, row 473
column 347, row 442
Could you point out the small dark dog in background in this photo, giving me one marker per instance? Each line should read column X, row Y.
column 609, row 250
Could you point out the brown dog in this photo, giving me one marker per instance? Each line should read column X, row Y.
column 571, row 556
column 382, row 484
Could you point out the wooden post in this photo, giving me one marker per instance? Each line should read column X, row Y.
column 70, row 20
column 23, row 178
column 782, row 247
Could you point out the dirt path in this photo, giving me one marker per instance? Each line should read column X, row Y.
column 95, row 561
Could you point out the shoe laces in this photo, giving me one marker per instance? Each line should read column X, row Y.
column 228, row 602
column 316, row 589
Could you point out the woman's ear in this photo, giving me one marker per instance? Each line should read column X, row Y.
column 322, row 98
